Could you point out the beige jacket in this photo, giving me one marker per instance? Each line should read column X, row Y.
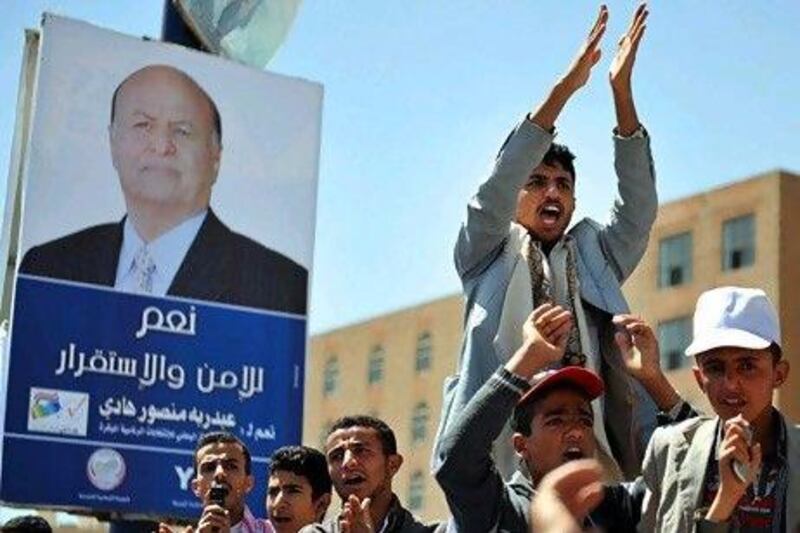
column 674, row 471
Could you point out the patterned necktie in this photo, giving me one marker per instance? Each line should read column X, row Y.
column 143, row 268
column 543, row 293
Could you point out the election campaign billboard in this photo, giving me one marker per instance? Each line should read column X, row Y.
column 165, row 249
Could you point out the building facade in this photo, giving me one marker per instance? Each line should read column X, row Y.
column 394, row 366
column 739, row 234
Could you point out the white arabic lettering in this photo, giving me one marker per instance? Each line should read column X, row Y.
column 175, row 321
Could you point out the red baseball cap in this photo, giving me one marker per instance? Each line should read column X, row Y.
column 577, row 376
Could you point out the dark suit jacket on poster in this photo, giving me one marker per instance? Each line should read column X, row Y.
column 220, row 265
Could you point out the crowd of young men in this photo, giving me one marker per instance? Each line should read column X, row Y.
column 734, row 470
column 551, row 422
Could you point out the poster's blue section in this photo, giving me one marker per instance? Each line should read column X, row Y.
column 108, row 393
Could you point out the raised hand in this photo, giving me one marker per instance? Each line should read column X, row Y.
column 735, row 447
column 545, row 333
column 639, row 349
column 588, row 55
column 355, row 517
column 214, row 520
column 638, row 345
column 622, row 65
column 566, row 495
column 576, row 76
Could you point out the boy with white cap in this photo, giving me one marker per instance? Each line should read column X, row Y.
column 738, row 470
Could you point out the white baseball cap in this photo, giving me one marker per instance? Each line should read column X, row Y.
column 736, row 317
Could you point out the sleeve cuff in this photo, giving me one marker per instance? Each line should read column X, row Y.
column 679, row 412
column 517, row 383
column 639, row 133
column 551, row 132
column 708, row 526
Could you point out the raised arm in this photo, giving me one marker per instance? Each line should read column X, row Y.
column 493, row 207
column 576, row 76
column 621, row 70
column 639, row 349
column 465, row 469
column 625, row 237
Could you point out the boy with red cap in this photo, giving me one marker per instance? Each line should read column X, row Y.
column 552, row 419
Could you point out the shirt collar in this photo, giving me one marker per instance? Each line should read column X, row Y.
column 167, row 250
column 251, row 524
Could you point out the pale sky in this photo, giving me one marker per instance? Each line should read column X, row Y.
column 419, row 96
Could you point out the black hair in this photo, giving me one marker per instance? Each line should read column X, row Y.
column 559, row 153
column 222, row 437
column 776, row 352
column 215, row 116
column 27, row 524
column 523, row 413
column 385, row 433
column 306, row 462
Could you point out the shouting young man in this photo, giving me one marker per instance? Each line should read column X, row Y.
column 514, row 253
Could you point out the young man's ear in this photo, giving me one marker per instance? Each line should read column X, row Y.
column 698, row 377
column 781, row 373
column 321, row 506
column 395, row 462
column 196, row 488
column 251, row 482
column 519, row 441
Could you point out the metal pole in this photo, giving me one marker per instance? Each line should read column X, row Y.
column 175, row 30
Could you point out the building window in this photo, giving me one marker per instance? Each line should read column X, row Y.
column 375, row 366
column 674, row 336
column 331, row 376
column 416, row 491
column 675, row 260
column 738, row 243
column 424, row 349
column 419, row 423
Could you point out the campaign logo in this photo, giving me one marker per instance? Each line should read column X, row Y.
column 106, row 469
column 58, row 411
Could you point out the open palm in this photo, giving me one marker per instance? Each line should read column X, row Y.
column 622, row 64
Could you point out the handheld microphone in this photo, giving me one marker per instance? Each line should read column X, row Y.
column 742, row 470
column 217, row 494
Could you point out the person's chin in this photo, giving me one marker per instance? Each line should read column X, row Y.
column 548, row 236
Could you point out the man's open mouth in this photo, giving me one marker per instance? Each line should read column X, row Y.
column 355, row 479
column 573, row 453
column 734, row 402
column 550, row 214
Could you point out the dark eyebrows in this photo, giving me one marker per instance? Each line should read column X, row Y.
column 336, row 449
column 710, row 360
column 556, row 411
column 278, row 486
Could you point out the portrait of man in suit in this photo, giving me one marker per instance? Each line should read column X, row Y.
column 165, row 134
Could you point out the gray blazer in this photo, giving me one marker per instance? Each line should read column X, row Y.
column 607, row 254
column 675, row 469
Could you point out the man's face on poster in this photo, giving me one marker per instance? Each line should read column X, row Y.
column 163, row 141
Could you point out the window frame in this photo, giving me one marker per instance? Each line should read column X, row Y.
column 664, row 278
column 731, row 223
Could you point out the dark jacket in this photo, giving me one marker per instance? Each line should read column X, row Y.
column 478, row 498
column 220, row 266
